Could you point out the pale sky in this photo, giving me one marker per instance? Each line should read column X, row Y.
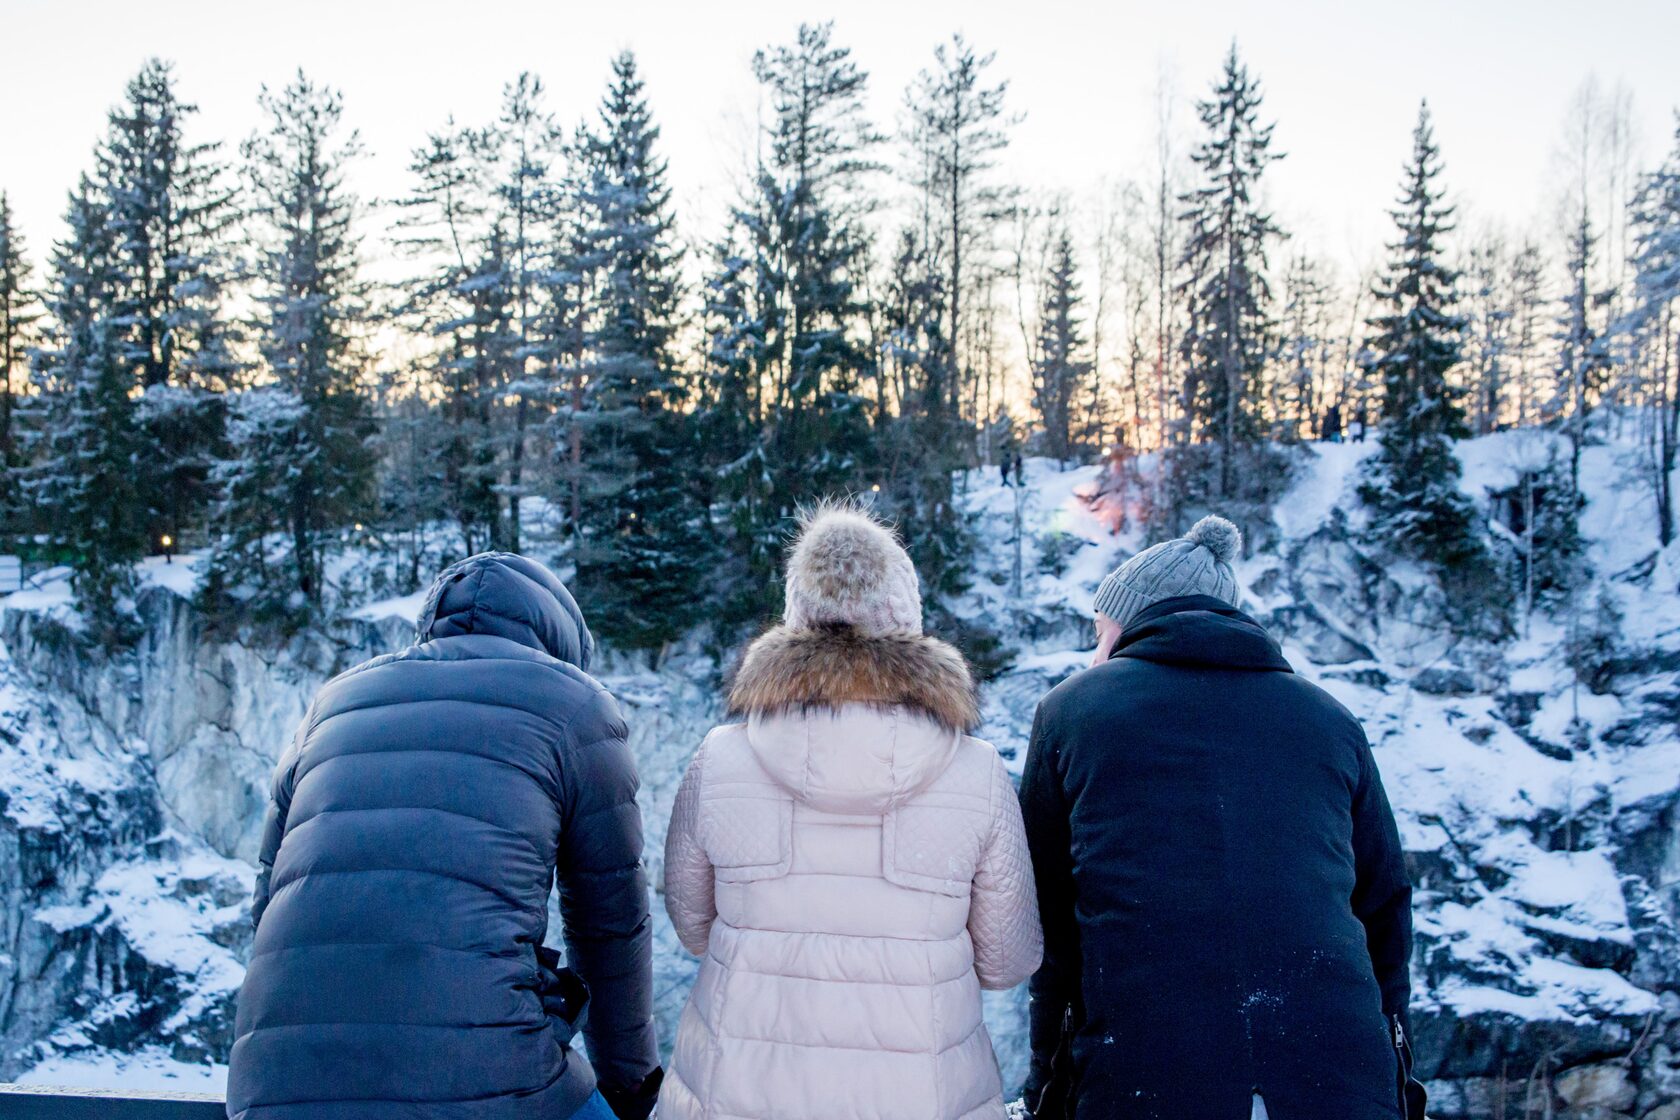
column 1342, row 80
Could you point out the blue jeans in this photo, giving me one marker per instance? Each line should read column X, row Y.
column 595, row 1108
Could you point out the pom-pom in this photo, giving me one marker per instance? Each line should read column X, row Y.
column 1218, row 536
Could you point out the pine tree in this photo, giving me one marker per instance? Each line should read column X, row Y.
column 1557, row 551
column 1060, row 368
column 90, row 436
column 641, row 552
column 19, row 332
column 957, row 128
column 1229, row 336
column 914, row 455
column 460, row 304
column 803, row 248
column 936, row 319
column 521, row 149
column 1655, row 321
column 301, row 463
column 1411, row 484
column 1583, row 359
column 1297, row 399
column 1528, row 300
column 170, row 212
column 499, row 298
column 735, row 479
column 1489, row 321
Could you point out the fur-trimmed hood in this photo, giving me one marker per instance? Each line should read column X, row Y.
column 827, row 666
column 853, row 723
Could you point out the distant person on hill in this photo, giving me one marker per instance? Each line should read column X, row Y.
column 847, row 862
column 1356, row 428
column 1227, row 915
column 1332, row 432
column 419, row 819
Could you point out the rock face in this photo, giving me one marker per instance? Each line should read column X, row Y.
column 130, row 812
column 1541, row 815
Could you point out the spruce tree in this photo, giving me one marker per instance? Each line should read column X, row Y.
column 20, row 317
column 301, row 461
column 85, row 478
column 804, row 241
column 641, row 550
column 170, row 211
column 915, row 458
column 1229, row 334
column 1060, row 368
column 1412, row 484
column 814, row 248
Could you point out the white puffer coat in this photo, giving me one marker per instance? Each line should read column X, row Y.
column 853, row 870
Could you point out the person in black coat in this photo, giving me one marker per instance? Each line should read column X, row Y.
column 1226, row 908
column 419, row 819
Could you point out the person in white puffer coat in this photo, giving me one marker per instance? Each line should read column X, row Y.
column 848, row 863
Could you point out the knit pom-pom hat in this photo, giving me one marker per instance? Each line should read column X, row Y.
column 848, row 568
column 1198, row 563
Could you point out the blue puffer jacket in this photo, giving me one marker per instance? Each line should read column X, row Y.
column 418, row 821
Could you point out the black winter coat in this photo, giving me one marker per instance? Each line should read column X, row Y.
column 418, row 821
column 1225, row 901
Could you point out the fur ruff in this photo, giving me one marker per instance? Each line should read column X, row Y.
column 826, row 666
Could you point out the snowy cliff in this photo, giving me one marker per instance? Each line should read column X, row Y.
column 1542, row 816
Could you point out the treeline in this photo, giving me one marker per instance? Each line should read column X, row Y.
column 204, row 362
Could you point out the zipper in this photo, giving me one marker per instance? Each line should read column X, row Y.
column 1402, row 1059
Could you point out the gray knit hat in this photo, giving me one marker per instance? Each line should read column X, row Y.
column 1198, row 563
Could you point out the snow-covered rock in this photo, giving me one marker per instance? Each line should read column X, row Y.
column 1542, row 819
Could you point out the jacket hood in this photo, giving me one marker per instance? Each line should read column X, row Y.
column 1200, row 630
column 850, row 723
column 507, row 596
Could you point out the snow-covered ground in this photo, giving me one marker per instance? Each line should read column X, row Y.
column 1543, row 820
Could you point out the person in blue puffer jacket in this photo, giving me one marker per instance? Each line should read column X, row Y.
column 419, row 818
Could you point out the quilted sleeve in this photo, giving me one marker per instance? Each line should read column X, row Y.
column 689, row 897
column 1003, row 911
column 604, row 898
column 274, row 821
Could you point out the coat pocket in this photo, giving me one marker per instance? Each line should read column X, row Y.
column 932, row 848
column 747, row 837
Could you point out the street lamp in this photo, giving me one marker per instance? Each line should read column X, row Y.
column 168, row 542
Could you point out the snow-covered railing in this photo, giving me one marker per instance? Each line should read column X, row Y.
column 51, row 1102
